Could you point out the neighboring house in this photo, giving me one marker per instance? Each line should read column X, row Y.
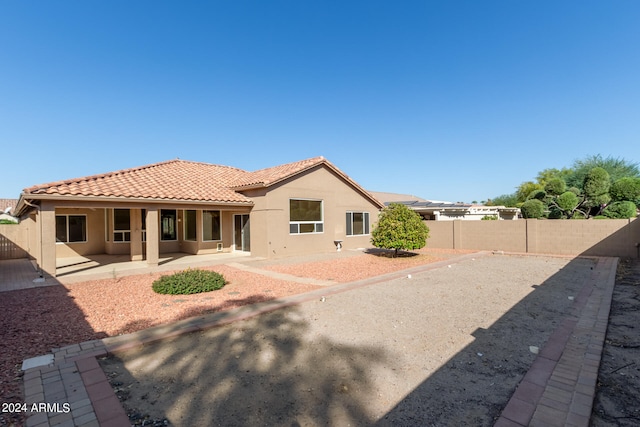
column 196, row 208
column 447, row 211
column 7, row 207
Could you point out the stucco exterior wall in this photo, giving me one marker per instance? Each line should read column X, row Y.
column 270, row 236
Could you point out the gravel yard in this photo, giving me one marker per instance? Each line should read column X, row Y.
column 445, row 347
column 33, row 321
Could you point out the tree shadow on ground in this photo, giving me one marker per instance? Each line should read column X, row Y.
column 188, row 313
column 33, row 321
column 267, row 370
column 390, row 253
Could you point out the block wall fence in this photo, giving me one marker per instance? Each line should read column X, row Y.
column 606, row 237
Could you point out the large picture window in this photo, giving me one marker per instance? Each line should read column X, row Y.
column 305, row 216
column 71, row 228
column 190, row 225
column 357, row 223
column 211, row 229
column 168, row 220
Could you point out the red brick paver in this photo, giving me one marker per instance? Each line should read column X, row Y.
column 561, row 383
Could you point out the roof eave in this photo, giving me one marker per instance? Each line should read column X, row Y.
column 33, row 197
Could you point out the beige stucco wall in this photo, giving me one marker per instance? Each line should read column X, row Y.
column 602, row 237
column 270, row 216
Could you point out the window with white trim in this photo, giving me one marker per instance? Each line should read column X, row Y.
column 211, row 226
column 305, row 216
column 357, row 223
column 121, row 225
column 71, row 228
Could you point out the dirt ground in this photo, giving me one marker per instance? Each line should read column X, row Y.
column 617, row 401
column 444, row 347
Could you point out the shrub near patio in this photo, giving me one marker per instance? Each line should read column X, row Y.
column 190, row 281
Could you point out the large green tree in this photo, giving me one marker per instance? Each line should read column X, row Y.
column 399, row 228
column 581, row 191
column 616, row 168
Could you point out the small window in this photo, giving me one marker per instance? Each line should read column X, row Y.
column 121, row 225
column 211, row 225
column 357, row 223
column 305, row 216
column 71, row 228
column 168, row 220
column 190, row 225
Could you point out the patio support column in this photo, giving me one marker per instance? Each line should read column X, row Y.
column 153, row 237
column 135, row 218
column 47, row 260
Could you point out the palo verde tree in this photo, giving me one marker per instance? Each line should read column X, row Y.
column 399, row 228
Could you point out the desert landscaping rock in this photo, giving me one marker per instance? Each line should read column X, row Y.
column 445, row 347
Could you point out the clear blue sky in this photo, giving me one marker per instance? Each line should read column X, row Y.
column 448, row 100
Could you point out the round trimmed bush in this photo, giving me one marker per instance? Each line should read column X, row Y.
column 532, row 208
column 190, row 281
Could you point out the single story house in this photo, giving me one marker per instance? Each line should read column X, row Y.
column 192, row 207
column 433, row 210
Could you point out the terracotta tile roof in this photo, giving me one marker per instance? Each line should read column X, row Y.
column 269, row 176
column 178, row 180
column 181, row 180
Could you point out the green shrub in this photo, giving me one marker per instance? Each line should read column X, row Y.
column 190, row 281
column 555, row 186
column 399, row 228
column 537, row 194
column 489, row 218
column 620, row 210
column 532, row 208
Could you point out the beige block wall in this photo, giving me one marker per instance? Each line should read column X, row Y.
column 14, row 240
column 270, row 216
column 615, row 237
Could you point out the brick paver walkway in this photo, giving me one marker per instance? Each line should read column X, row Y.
column 557, row 390
column 560, row 386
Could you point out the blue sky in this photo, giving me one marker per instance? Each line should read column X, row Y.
column 448, row 100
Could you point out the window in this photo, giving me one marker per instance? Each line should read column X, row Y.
column 357, row 223
column 121, row 225
column 71, row 228
column 168, row 224
column 211, row 229
column 305, row 216
column 190, row 225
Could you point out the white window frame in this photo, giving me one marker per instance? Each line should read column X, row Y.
column 220, row 214
column 366, row 223
column 67, row 242
column 122, row 233
column 318, row 226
